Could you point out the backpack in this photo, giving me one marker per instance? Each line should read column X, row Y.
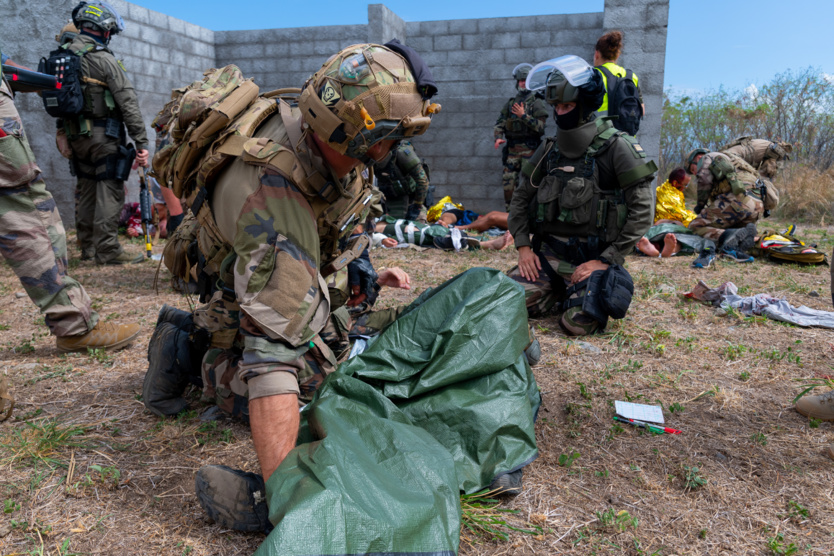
column 67, row 99
column 623, row 101
column 194, row 119
column 784, row 247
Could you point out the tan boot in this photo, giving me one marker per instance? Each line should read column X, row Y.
column 817, row 407
column 104, row 336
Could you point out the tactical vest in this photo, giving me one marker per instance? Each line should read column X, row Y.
column 514, row 129
column 731, row 174
column 220, row 130
column 569, row 199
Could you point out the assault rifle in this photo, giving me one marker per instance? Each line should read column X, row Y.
column 27, row 81
column 145, row 209
column 763, row 192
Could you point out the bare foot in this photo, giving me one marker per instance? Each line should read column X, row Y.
column 645, row 246
column 498, row 243
column 670, row 245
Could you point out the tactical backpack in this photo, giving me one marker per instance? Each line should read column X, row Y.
column 623, row 101
column 786, row 248
column 67, row 99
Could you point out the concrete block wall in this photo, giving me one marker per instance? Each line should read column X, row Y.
column 159, row 52
column 279, row 58
column 472, row 60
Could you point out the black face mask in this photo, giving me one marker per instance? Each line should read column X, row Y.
column 569, row 120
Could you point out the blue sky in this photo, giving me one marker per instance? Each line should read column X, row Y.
column 710, row 43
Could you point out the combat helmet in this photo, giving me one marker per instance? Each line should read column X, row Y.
column 588, row 97
column 520, row 72
column 364, row 94
column 99, row 15
column 690, row 158
column 67, row 33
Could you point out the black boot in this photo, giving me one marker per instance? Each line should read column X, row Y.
column 169, row 364
column 233, row 499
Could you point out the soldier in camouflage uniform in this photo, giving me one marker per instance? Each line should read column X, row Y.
column 728, row 194
column 97, row 136
column 34, row 244
column 519, row 129
column 282, row 227
column 592, row 204
column 403, row 180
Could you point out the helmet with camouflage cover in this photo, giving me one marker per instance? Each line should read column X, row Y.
column 364, row 94
column 98, row 15
column 67, row 33
column 690, row 158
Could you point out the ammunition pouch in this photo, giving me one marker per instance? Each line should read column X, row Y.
column 724, row 171
column 113, row 128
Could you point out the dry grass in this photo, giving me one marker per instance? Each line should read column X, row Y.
column 85, row 470
column 806, row 194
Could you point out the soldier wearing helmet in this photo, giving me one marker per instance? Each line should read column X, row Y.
column 519, row 129
column 280, row 229
column 96, row 139
column 585, row 198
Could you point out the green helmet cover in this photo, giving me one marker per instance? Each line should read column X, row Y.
column 559, row 90
column 690, row 159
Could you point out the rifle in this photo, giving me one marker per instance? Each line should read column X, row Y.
column 145, row 208
column 763, row 192
column 27, row 81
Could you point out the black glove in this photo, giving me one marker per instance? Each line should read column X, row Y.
column 592, row 93
column 362, row 280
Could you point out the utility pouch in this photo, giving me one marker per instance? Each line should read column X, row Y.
column 617, row 291
column 113, row 128
column 576, row 201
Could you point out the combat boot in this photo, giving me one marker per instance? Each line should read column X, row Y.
column 123, row 258
column 233, row 499
column 817, row 407
column 105, row 335
column 508, row 483
column 168, row 369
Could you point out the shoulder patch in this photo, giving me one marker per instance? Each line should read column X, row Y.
column 121, row 65
column 637, row 147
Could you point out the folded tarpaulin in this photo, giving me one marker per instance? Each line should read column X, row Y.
column 441, row 402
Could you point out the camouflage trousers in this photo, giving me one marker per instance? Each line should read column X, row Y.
column 225, row 381
column 512, row 167
column 32, row 236
column 542, row 297
column 724, row 212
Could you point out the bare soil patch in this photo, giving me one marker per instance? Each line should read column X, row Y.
column 85, row 470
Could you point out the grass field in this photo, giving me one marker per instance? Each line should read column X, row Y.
column 84, row 469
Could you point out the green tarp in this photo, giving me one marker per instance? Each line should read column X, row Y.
column 441, row 402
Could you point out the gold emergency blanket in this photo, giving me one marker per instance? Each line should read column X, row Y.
column 670, row 205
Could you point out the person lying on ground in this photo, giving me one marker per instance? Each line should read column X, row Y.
column 434, row 235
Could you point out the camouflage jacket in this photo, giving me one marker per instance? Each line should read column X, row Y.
column 279, row 249
column 530, row 126
column 720, row 173
column 100, row 65
column 567, row 197
column 17, row 162
column 404, row 175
